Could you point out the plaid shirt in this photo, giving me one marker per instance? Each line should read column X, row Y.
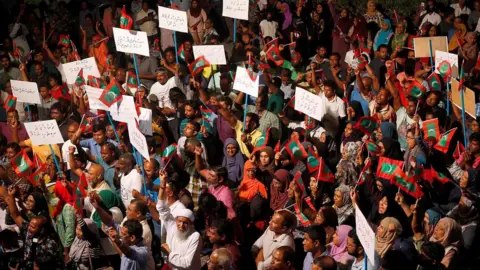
column 267, row 120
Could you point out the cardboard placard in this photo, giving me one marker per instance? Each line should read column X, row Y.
column 244, row 83
column 237, row 9
column 130, row 41
column 422, row 46
column 214, row 54
column 25, row 91
column 172, row 19
column 365, row 235
column 309, row 103
column 137, row 139
column 44, row 132
column 70, row 70
column 468, row 98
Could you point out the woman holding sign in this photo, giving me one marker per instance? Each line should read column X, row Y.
column 196, row 17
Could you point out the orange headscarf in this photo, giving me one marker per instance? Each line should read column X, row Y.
column 249, row 187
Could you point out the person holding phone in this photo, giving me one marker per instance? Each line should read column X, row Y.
column 146, row 19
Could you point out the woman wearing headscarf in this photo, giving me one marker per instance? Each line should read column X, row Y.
column 233, row 161
column 342, row 203
column 390, row 148
column 196, row 18
column 342, row 24
column 458, row 37
column 266, row 165
column 466, row 214
column 250, row 185
column 346, row 173
column 413, row 153
column 388, row 231
column 358, row 32
column 387, row 130
column 469, row 182
column 448, row 233
column 383, row 36
column 86, row 251
column 279, row 189
column 328, row 219
column 399, row 39
column 319, row 28
column 372, row 14
column 349, row 136
column 469, row 51
column 287, row 17
column 354, row 111
column 421, row 233
column 337, row 249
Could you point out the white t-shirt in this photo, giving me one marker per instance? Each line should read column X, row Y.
column 66, row 152
column 129, row 182
column 434, row 18
column 334, row 107
column 269, row 29
column 150, row 27
column 162, row 92
column 459, row 11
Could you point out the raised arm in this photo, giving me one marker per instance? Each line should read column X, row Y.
column 96, row 202
column 375, row 81
column 228, row 116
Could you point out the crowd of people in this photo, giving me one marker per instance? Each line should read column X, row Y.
column 235, row 181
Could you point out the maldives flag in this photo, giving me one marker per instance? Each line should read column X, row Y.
column 261, row 65
column 416, row 89
column 274, row 54
column 262, row 141
column 80, row 81
column 273, row 42
column 459, row 149
column 407, row 184
column 444, row 69
column 74, row 54
column 372, row 147
column 362, row 62
column 132, row 81
column 462, row 78
column 169, row 151
column 299, row 182
column 434, row 82
column 83, row 185
column 294, row 55
column 291, row 103
column 431, row 129
column 64, row 40
column 367, row 124
column 182, row 54
column 441, row 177
column 361, row 177
column 295, row 149
column 95, row 82
column 324, row 173
column 22, row 164
column 156, row 44
column 207, row 114
column 301, row 217
column 386, row 167
column 86, row 125
column 35, row 177
column 198, row 65
column 312, row 161
column 10, row 103
column 111, row 94
column 277, row 147
column 121, row 128
column 126, row 21
column 444, row 142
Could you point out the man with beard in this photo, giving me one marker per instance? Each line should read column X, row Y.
column 355, row 249
column 59, row 112
column 183, row 243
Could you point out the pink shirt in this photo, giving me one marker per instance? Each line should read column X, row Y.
column 225, row 195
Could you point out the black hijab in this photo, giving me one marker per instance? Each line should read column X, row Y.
column 392, row 149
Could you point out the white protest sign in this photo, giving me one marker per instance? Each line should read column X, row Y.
column 214, row 54
column 244, row 83
column 125, row 112
column 451, row 58
column 44, row 132
column 72, row 69
column 309, row 104
column 172, row 19
column 237, row 9
column 129, row 41
column 25, row 91
column 93, row 95
column 137, row 139
column 145, row 121
column 365, row 235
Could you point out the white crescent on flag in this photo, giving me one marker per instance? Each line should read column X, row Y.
column 390, row 168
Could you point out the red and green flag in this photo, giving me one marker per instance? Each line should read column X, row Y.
column 22, row 164
column 444, row 69
column 324, row 173
column 366, row 166
column 10, row 103
column 111, row 94
column 207, row 114
column 407, row 184
column 301, row 217
column 434, row 82
column 462, row 78
column 74, row 53
column 441, row 177
column 64, row 40
column 431, row 129
column 273, row 54
column 312, row 161
column 182, row 53
column 35, row 177
column 444, row 142
column 86, row 125
column 156, row 44
column 459, row 149
column 386, row 167
column 95, row 82
column 198, row 65
column 126, row 21
column 132, row 81
column 273, row 42
column 262, row 141
column 416, row 89
column 367, row 124
column 294, row 55
column 299, row 182
column 169, row 151
column 362, row 62
column 83, row 185
column 295, row 149
column 372, row 147
column 277, row 147
column 80, row 81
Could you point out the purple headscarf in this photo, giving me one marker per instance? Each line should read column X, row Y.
column 340, row 253
column 287, row 16
column 234, row 165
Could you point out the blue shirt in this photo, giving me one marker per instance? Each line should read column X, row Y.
column 307, row 262
column 138, row 258
column 356, row 96
column 95, row 147
column 108, row 172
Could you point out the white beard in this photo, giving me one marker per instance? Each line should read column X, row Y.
column 184, row 235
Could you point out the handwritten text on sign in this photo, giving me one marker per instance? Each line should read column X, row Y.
column 44, row 132
column 244, row 83
column 172, row 19
column 309, row 104
column 365, row 235
column 137, row 139
column 237, row 9
column 25, row 91
column 72, row 69
column 131, row 41
column 215, row 54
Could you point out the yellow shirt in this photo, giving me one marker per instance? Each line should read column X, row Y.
column 254, row 135
column 43, row 151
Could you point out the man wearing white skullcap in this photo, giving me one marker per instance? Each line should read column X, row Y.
column 183, row 244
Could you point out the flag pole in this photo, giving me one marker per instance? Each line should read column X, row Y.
column 234, row 32
column 431, row 55
column 463, row 115
column 448, row 101
column 113, row 126
column 245, row 112
column 55, row 160
column 175, row 44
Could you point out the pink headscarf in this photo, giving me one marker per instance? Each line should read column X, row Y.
column 287, row 16
column 340, row 253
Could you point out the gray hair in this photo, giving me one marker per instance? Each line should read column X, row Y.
column 225, row 257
